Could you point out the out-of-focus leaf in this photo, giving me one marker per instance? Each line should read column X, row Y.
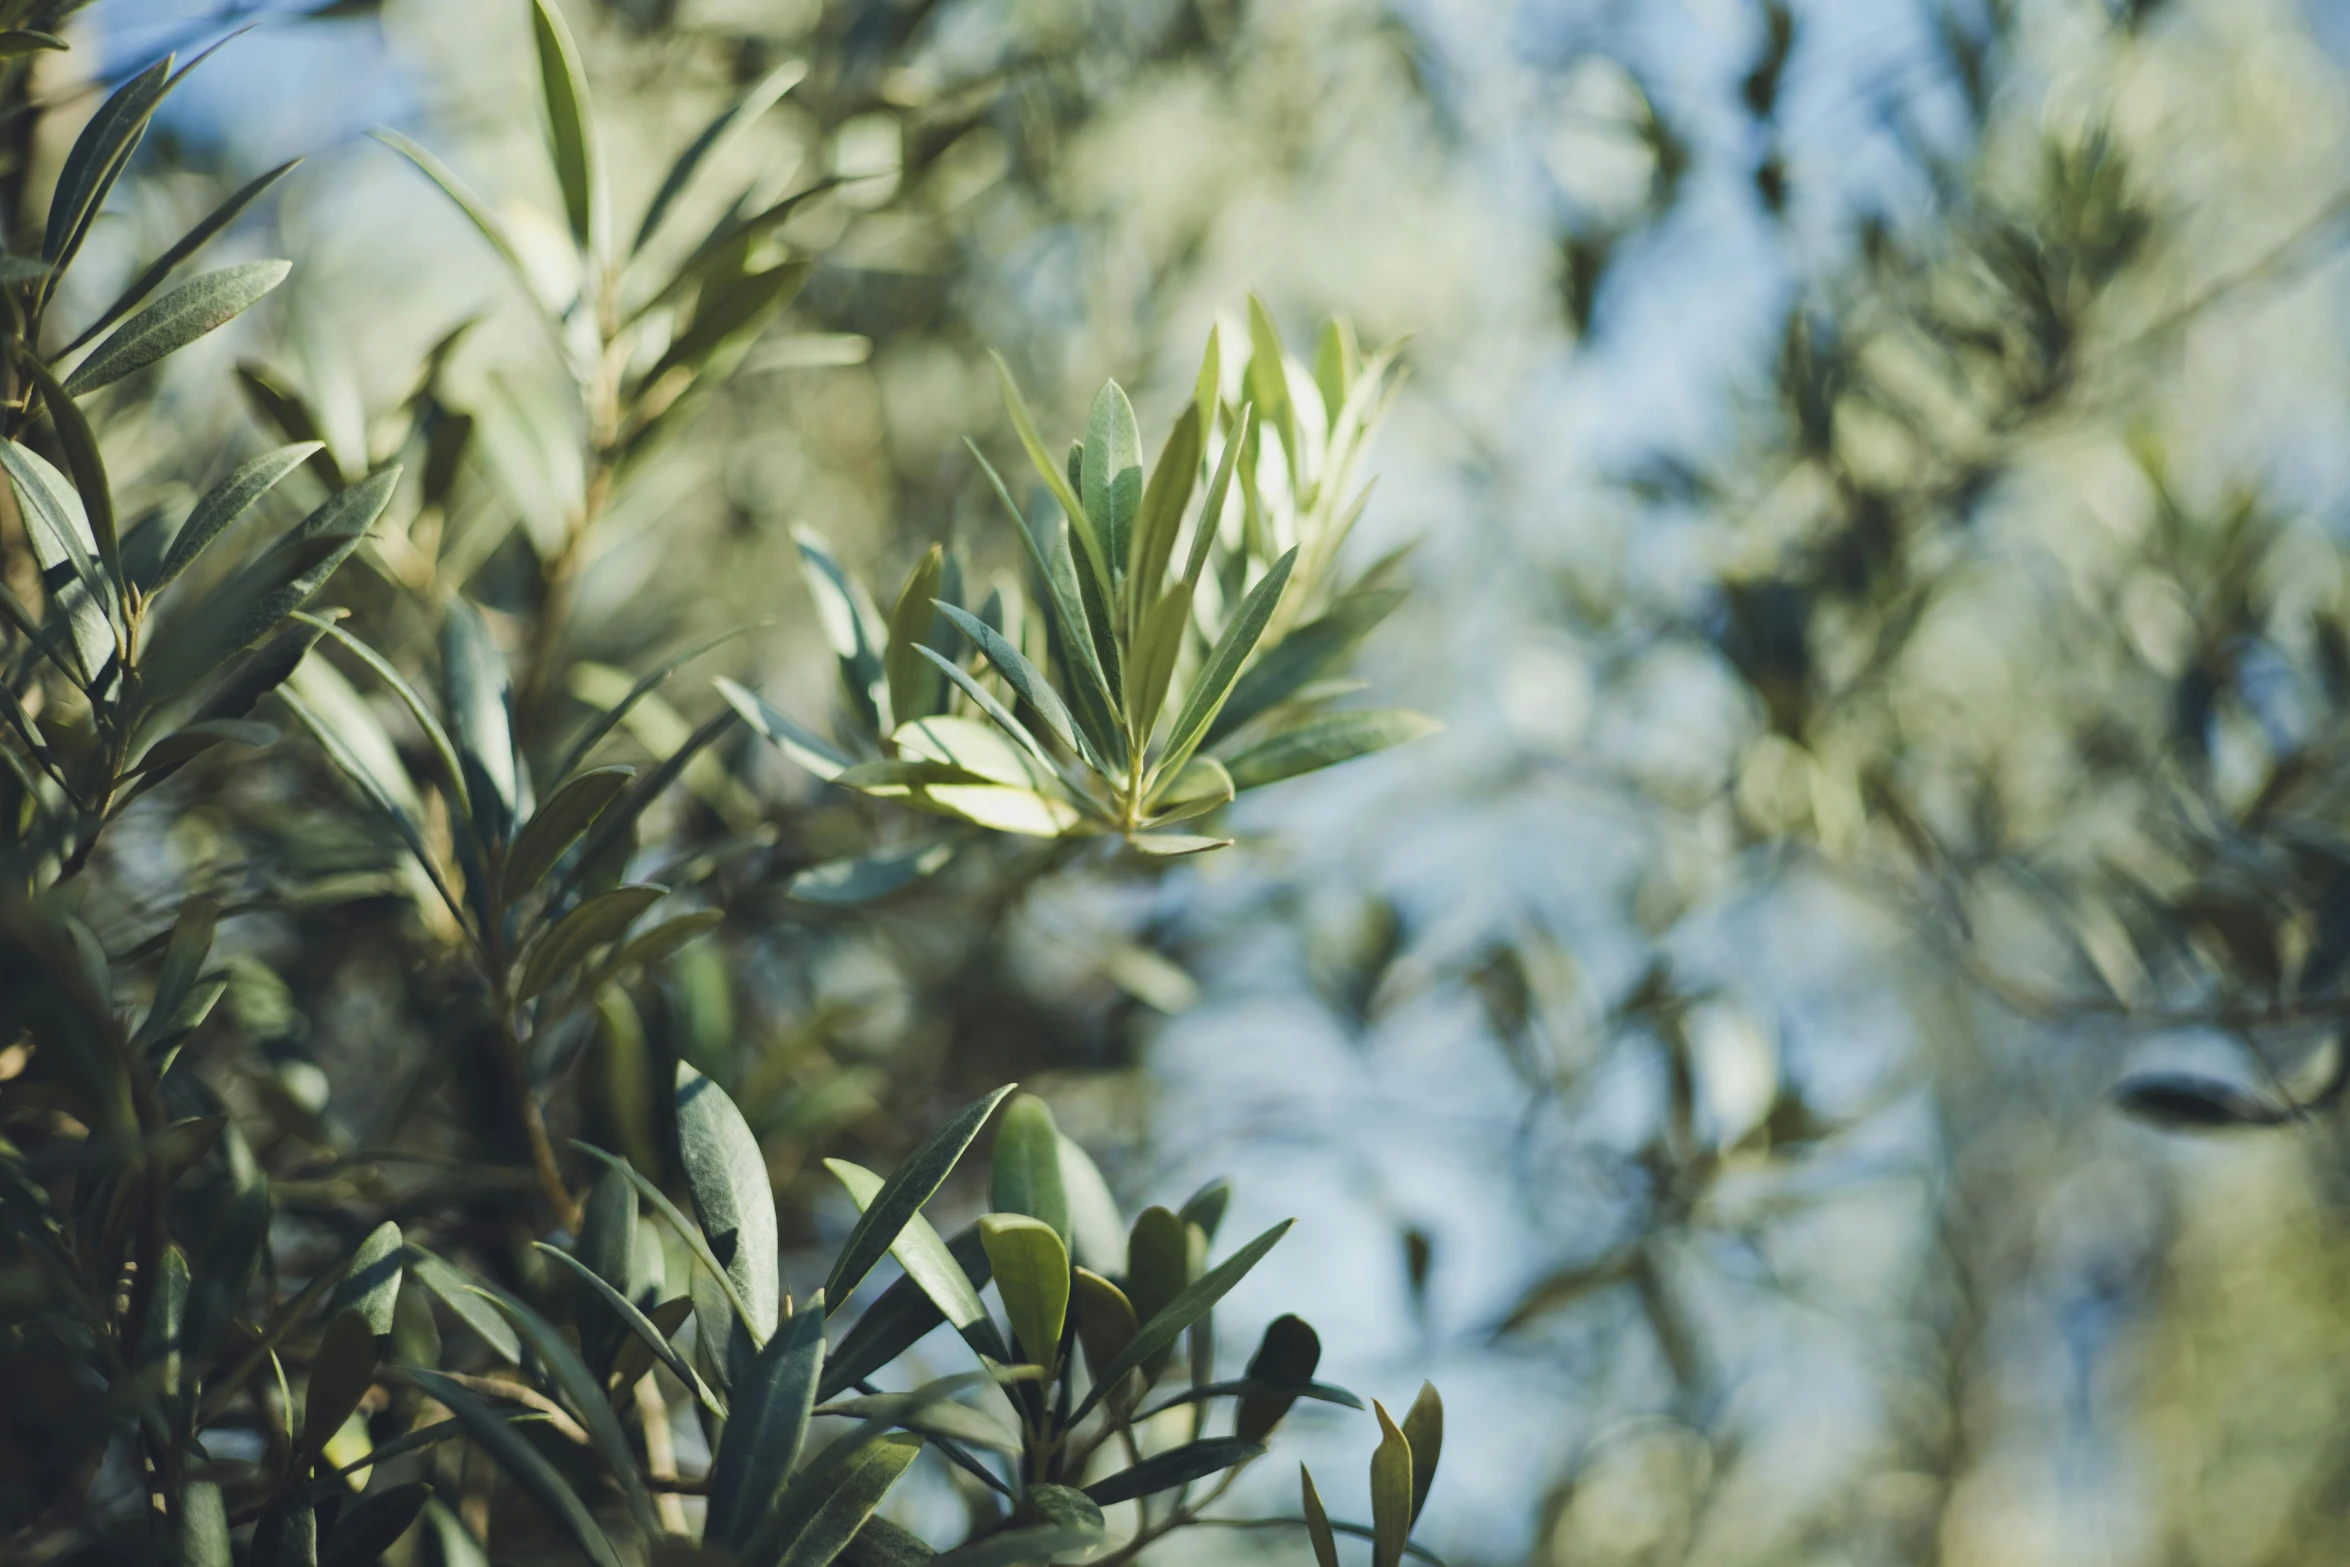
column 525, row 1463
column 1205, row 1207
column 1025, row 1174
column 600, row 919
column 715, row 138
column 1268, row 379
column 1111, row 475
column 1158, row 1268
column 1214, row 680
column 607, row 1248
column 204, row 1538
column 596, row 728
column 339, row 1377
column 1317, row 1521
column 637, row 1353
column 1157, row 646
column 227, row 501
column 1391, row 1492
column 570, row 124
column 22, row 41
column 1171, row 845
column 864, row 877
column 1177, row 1466
column 558, row 823
column 181, row 249
column 2184, row 1100
column 728, row 309
column 183, row 961
column 286, row 1534
column 481, row 719
column 881, row 1543
column 1324, row 741
column 474, row 208
column 850, row 624
column 1423, row 1428
column 1032, row 1272
column 889, row 1209
column 1070, row 1521
column 1161, row 1329
column 1097, row 1232
column 177, row 748
column 268, row 589
column 932, row 1411
column 198, row 306
column 1286, row 1357
column 372, row 1287
column 1201, row 787
column 912, row 685
column 370, row 1526
column 444, row 750
column 769, row 1423
column 804, row 746
column 728, row 1177
column 1055, row 479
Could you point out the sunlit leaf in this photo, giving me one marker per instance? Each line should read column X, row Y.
column 1032, row 1274
column 227, row 501
column 728, row 1177
column 570, row 124
column 1324, row 741
column 888, row 1210
column 188, row 312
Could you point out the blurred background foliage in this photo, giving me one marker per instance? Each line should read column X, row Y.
column 1877, row 501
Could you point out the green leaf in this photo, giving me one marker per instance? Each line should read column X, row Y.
column 1324, row 741
column 557, row 824
column 728, row 1177
column 604, row 836
column 196, row 307
column 600, row 919
column 1106, row 1320
column 1174, row 1467
column 609, row 719
column 372, row 1287
column 1423, row 1429
column 884, row 1544
column 370, row 1525
column 1391, row 1492
column 286, row 1534
column 770, row 1421
column 1097, row 1234
column 79, row 445
column 931, row 1411
column 890, row 1209
column 1317, row 1521
column 22, row 41
column 1023, row 677
column 637, row 1353
column 915, row 1244
column 480, row 700
column 607, row 1248
column 1205, row 1207
column 339, row 1378
column 1156, row 647
column 1111, row 475
column 461, row 1295
column 1024, row 424
column 96, row 161
column 1268, row 380
column 1162, row 1328
column 61, row 539
column 1285, row 1359
column 444, row 751
column 1014, row 730
column 183, row 961
column 181, row 745
column 1098, row 737
column 1072, row 1521
column 850, row 1494
column 1026, row 1168
column 524, row 1462
column 1214, row 680
column 685, row 1231
column 648, row 947
column 186, row 245
column 204, row 1538
column 1031, row 1266
column 1161, row 517
column 227, row 501
column 1201, row 787
column 913, row 688
column 625, row 1312
column 731, row 305
column 1158, row 1269
column 570, row 124
column 715, row 138
column 585, row 1394
column 1306, row 654
column 864, row 877
column 850, row 624
column 1211, row 510
column 266, row 590
column 904, row 1314
column 475, row 210
column 804, row 746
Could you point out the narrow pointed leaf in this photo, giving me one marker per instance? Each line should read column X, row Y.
column 1423, row 1429
column 1161, row 516
column 459, row 1293
column 1212, row 508
column 525, row 1463
column 372, row 1287
column 601, row 919
column 1014, row 730
column 339, row 1378
column 1111, row 475
column 181, row 249
column 912, row 685
column 1214, row 681
column 1324, row 741
column 78, row 443
column 850, row 1494
column 804, row 746
column 1391, row 1492
column 1317, row 1521
column 715, row 138
column 769, row 1422
column 1056, row 480
column 626, row 1312
column 903, row 1315
column 189, row 311
column 585, row 1394
column 899, row 1200
column 683, row 1228
column 570, row 125
column 227, row 501
column 97, row 159
column 1177, row 1466
column 558, row 823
